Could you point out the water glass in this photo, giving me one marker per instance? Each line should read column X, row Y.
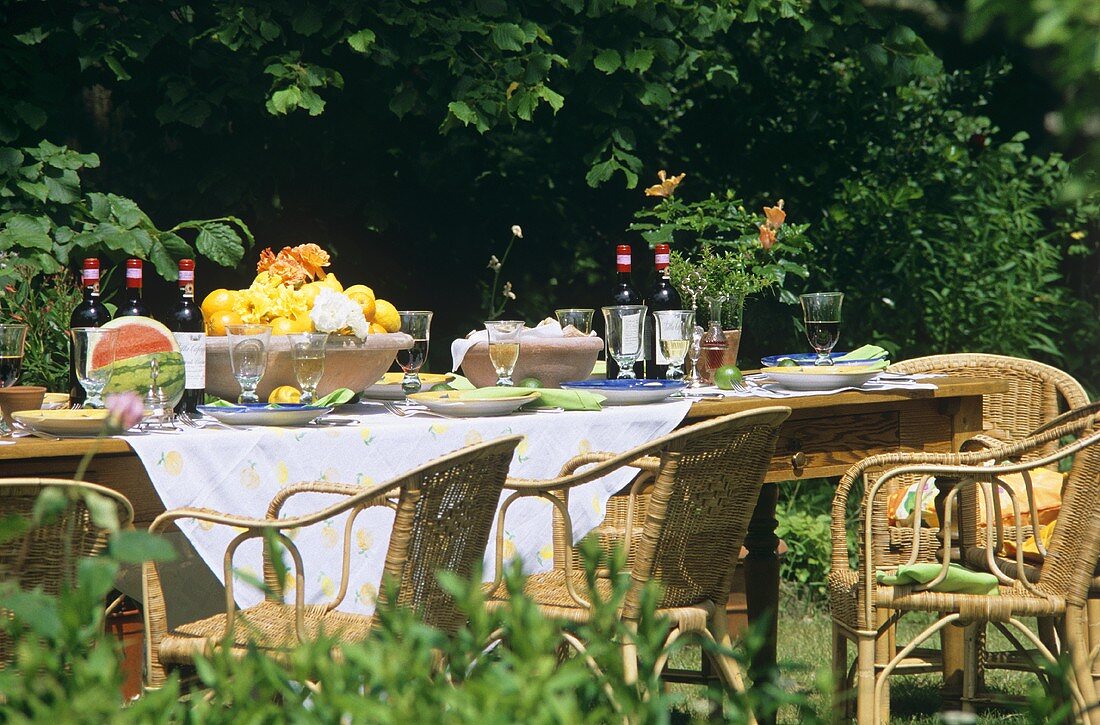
column 416, row 324
column 93, row 355
column 577, row 317
column 248, row 357
column 821, row 313
column 504, row 347
column 12, row 340
column 308, row 350
column 674, row 332
column 625, row 327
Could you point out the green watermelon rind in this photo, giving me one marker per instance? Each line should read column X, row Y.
column 134, row 374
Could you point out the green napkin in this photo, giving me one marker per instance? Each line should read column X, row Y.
column 336, row 397
column 959, row 579
column 548, row 397
column 461, row 383
column 867, row 352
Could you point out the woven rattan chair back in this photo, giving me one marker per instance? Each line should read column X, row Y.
column 45, row 557
column 700, row 505
column 444, row 516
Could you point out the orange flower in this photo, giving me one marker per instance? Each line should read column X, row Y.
column 767, row 237
column 667, row 187
column 312, row 258
column 775, row 214
column 267, row 258
column 289, row 270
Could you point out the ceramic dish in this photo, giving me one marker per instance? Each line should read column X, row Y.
column 83, row 422
column 628, row 392
column 287, row 414
column 820, row 378
column 53, row 401
column 389, row 387
column 808, row 358
column 452, row 403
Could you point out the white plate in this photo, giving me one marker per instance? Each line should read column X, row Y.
column 808, row 378
column 628, row 392
column 265, row 416
column 82, row 422
column 440, row 402
column 389, row 387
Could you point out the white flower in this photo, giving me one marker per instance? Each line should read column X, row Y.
column 507, row 291
column 333, row 311
column 494, row 263
column 517, row 231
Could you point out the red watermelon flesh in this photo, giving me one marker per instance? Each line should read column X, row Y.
column 136, row 336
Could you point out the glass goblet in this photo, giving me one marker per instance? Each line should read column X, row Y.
column 248, row 357
column 504, row 347
column 577, row 317
column 308, row 351
column 93, row 355
column 624, row 326
column 417, row 325
column 674, row 332
column 821, row 313
column 695, row 351
column 12, row 340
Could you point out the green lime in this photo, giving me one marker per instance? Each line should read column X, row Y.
column 440, row 387
column 530, row 383
column 786, row 363
column 728, row 377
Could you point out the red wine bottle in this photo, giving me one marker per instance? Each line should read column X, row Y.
column 132, row 304
column 663, row 297
column 186, row 322
column 90, row 312
column 624, row 294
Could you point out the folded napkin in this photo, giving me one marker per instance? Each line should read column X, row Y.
column 548, row 328
column 867, row 352
column 959, row 580
column 548, row 397
column 336, row 397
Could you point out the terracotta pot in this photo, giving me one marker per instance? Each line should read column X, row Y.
column 733, row 341
column 349, row 363
column 20, row 397
column 552, row 360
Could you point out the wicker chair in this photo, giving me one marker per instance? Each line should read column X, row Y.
column 444, row 512
column 705, row 480
column 867, row 614
column 46, row 556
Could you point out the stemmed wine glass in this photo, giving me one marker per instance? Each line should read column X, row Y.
column 577, row 317
column 674, row 335
column 12, row 340
column 248, row 357
column 93, row 355
column 308, row 349
column 821, row 313
column 504, row 347
column 624, row 326
column 416, row 324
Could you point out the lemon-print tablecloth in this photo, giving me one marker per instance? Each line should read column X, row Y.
column 239, row 472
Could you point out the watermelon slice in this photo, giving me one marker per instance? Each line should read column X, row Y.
column 136, row 336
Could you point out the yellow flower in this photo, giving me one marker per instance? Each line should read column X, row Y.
column 667, row 187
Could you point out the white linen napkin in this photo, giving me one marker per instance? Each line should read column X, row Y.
column 759, row 387
column 548, row 328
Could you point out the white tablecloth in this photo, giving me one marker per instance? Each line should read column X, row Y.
column 239, row 471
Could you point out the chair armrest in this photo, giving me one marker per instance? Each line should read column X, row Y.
column 602, row 464
column 324, row 487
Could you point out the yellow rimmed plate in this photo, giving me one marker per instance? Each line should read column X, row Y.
column 53, row 401
column 82, row 422
column 820, row 378
column 389, row 387
column 453, row 403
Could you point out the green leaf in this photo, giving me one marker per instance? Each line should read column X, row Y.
column 94, row 580
column 114, row 64
column 362, row 40
column 655, row 94
column 12, row 527
column 462, row 112
column 220, row 243
column 10, row 159
column 269, row 30
column 103, row 510
column 555, row 100
column 26, row 232
column 492, row 8
column 36, row 189
column 126, row 211
column 600, row 172
column 308, row 21
column 135, row 546
column 31, row 114
column 285, row 100
column 34, row 36
column 64, row 188
column 34, row 609
column 639, row 60
column 508, row 36
column 403, row 101
column 50, row 504
column 608, row 61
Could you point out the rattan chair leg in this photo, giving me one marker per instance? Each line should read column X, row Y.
column 885, row 648
column 1093, row 609
column 1079, row 622
column 726, row 666
column 630, row 654
column 866, row 712
column 841, row 689
column 970, row 665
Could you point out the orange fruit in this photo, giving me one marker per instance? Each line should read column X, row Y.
column 216, row 323
column 376, row 329
column 385, row 314
column 218, row 301
column 290, row 325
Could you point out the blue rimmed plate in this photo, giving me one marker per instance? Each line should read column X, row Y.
column 286, row 414
column 628, row 392
column 808, row 358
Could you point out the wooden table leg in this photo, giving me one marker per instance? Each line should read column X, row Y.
column 762, row 580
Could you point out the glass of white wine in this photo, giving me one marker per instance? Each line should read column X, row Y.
column 674, row 330
column 504, row 347
column 416, row 324
column 308, row 349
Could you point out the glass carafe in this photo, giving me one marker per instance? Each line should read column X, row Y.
column 713, row 345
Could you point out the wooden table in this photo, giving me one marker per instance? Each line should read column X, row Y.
column 823, row 437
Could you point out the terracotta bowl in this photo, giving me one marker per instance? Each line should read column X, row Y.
column 552, row 360
column 20, row 397
column 349, row 363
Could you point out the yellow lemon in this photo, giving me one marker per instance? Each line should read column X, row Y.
column 332, row 283
column 173, row 463
column 218, row 301
column 385, row 314
column 216, row 323
column 285, row 394
column 290, row 325
column 364, row 297
column 376, row 329
column 310, row 291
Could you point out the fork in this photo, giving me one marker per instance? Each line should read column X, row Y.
column 401, row 412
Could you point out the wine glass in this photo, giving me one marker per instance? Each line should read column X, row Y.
column 12, row 340
column 248, row 357
column 821, row 313
column 674, row 333
column 624, row 325
column 416, row 324
column 93, row 355
column 504, row 347
column 577, row 317
column 308, row 349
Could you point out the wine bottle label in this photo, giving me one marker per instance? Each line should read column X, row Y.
column 187, row 275
column 662, row 261
column 133, row 273
column 90, row 276
column 623, row 260
column 193, row 348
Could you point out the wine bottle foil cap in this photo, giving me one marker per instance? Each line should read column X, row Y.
column 133, row 263
column 187, row 264
column 91, row 263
